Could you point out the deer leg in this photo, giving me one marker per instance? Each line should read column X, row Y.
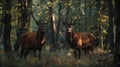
column 85, row 49
column 34, row 52
column 75, row 54
column 22, row 52
column 90, row 50
column 79, row 53
column 40, row 49
column 17, row 45
column 39, row 54
column 26, row 51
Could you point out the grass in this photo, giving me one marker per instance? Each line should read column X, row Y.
column 60, row 58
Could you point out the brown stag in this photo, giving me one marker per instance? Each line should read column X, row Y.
column 33, row 40
column 79, row 40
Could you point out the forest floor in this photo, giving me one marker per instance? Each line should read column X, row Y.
column 60, row 58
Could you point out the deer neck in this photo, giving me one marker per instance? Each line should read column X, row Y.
column 69, row 36
column 40, row 35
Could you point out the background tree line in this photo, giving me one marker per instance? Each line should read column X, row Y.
column 100, row 17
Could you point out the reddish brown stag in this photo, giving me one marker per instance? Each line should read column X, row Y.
column 79, row 40
column 33, row 40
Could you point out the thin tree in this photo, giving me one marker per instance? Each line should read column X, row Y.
column 59, row 21
column 24, row 8
column 110, row 29
column 101, row 26
column 52, row 26
column 85, row 10
column 117, row 43
column 1, row 23
column 6, row 19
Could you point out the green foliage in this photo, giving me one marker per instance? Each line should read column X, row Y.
column 90, row 21
column 92, row 15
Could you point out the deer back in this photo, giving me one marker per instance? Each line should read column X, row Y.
column 83, row 38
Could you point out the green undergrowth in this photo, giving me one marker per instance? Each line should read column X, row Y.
column 60, row 58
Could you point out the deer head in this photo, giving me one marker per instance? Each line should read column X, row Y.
column 69, row 25
column 41, row 28
column 41, row 25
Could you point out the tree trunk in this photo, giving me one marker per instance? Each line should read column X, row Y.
column 58, row 25
column 85, row 10
column 101, row 26
column 7, row 27
column 117, row 43
column 101, row 37
column 53, row 27
column 29, row 9
column 23, row 20
column 110, row 30
column 1, row 28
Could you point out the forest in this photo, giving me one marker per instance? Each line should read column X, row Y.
column 59, row 33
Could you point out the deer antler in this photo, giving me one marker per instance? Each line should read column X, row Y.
column 74, row 20
column 37, row 22
column 46, row 21
column 64, row 20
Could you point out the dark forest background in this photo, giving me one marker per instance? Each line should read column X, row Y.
column 100, row 17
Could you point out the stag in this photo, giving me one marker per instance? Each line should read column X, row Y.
column 33, row 40
column 79, row 40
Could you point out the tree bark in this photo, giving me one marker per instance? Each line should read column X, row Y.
column 1, row 32
column 23, row 20
column 117, row 43
column 58, row 25
column 101, row 26
column 53, row 26
column 110, row 29
column 7, row 26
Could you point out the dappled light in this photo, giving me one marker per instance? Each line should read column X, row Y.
column 59, row 33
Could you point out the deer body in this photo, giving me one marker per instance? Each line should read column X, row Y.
column 30, row 38
column 32, row 41
column 79, row 40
